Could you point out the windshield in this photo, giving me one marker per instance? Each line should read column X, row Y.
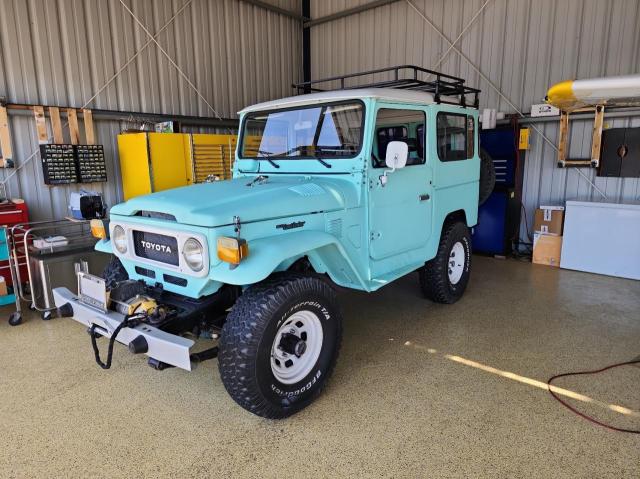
column 315, row 131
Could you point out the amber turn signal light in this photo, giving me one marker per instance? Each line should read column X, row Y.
column 98, row 229
column 232, row 250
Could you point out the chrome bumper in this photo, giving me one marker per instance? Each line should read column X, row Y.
column 165, row 347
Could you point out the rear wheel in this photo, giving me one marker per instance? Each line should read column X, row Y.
column 279, row 344
column 444, row 278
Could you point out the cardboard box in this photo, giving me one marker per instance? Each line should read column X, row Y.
column 546, row 249
column 3, row 287
column 549, row 220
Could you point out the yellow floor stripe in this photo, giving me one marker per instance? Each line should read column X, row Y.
column 525, row 380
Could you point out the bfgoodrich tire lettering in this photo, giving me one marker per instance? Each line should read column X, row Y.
column 248, row 337
column 438, row 281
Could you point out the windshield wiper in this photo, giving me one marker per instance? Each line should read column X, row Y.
column 324, row 163
column 266, row 156
column 295, row 149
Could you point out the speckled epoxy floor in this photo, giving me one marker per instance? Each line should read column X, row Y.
column 404, row 401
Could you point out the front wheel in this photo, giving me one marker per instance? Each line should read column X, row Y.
column 444, row 278
column 279, row 344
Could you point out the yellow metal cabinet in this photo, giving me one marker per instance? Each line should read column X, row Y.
column 151, row 162
column 211, row 155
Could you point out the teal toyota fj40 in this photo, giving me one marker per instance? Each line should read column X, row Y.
column 354, row 187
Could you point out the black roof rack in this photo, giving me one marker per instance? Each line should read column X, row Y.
column 403, row 77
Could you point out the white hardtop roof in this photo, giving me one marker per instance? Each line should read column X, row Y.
column 392, row 94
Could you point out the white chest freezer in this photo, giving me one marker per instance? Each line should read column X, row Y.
column 602, row 238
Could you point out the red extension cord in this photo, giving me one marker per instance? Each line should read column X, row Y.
column 582, row 415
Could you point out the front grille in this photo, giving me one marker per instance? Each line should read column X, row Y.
column 156, row 247
column 174, row 280
column 145, row 272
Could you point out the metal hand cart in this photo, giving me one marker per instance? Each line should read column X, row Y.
column 51, row 249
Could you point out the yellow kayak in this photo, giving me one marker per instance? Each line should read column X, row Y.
column 610, row 91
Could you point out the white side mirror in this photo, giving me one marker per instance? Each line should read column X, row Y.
column 397, row 154
column 396, row 157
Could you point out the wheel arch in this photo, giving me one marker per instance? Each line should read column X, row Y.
column 440, row 223
column 458, row 215
column 104, row 246
column 279, row 253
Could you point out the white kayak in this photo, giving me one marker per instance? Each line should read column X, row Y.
column 609, row 91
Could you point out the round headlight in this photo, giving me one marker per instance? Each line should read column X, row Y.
column 119, row 237
column 193, row 254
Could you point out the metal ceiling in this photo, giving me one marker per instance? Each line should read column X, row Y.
column 520, row 46
column 62, row 52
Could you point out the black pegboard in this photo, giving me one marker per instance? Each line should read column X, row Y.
column 66, row 164
column 91, row 163
column 59, row 165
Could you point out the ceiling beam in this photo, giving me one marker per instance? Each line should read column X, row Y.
column 273, row 8
column 347, row 12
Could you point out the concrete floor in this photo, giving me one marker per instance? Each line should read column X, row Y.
column 413, row 394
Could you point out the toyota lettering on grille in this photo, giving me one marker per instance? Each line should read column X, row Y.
column 148, row 245
column 156, row 247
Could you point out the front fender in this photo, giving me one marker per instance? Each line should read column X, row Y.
column 104, row 246
column 266, row 254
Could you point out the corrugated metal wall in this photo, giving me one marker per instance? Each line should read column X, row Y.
column 521, row 46
column 60, row 52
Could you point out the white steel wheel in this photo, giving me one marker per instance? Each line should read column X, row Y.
column 296, row 347
column 456, row 263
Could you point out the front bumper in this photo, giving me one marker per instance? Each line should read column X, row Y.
column 165, row 347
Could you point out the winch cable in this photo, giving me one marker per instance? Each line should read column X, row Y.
column 128, row 321
column 581, row 414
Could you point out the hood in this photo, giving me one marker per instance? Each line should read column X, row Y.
column 215, row 204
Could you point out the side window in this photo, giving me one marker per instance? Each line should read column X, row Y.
column 455, row 136
column 399, row 125
column 470, row 136
column 387, row 134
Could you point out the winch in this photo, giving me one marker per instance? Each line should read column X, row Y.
column 141, row 305
column 130, row 298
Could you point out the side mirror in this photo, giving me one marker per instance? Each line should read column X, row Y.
column 397, row 154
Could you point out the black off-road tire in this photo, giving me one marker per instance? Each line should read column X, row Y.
column 114, row 272
column 244, row 360
column 487, row 176
column 434, row 275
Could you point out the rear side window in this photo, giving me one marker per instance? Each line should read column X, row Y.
column 456, row 136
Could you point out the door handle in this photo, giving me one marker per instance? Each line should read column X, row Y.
column 424, row 197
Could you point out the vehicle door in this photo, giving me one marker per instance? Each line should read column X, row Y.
column 400, row 210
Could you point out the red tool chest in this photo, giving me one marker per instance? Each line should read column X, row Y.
column 12, row 212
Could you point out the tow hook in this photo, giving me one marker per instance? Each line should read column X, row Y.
column 65, row 311
column 159, row 365
column 138, row 345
